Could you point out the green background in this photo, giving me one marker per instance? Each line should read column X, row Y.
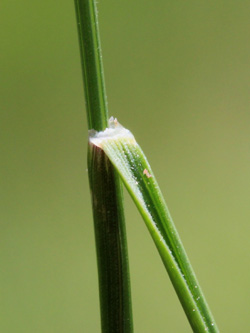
column 177, row 75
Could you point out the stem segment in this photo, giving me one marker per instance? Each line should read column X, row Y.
column 92, row 68
column 107, row 203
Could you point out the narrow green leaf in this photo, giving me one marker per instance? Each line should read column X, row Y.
column 121, row 148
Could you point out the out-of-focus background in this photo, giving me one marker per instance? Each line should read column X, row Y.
column 177, row 75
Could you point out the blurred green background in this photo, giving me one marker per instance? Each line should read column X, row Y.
column 177, row 75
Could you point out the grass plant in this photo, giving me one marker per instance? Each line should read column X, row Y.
column 112, row 151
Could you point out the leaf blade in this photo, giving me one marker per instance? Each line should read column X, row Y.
column 137, row 175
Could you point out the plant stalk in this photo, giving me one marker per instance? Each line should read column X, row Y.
column 106, row 191
column 92, row 67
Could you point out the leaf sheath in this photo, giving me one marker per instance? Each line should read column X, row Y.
column 111, row 245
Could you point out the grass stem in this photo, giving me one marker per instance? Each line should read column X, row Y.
column 107, row 201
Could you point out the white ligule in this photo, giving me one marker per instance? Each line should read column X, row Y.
column 114, row 131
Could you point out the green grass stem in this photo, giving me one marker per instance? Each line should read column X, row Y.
column 107, row 202
column 92, row 67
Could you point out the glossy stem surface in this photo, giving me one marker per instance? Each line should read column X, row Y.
column 111, row 245
column 92, row 67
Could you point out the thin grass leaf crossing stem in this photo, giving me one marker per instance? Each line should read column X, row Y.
column 126, row 155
